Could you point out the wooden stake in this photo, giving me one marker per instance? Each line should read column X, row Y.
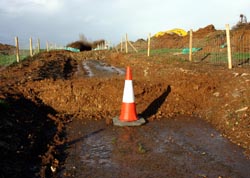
column 47, row 46
column 121, row 44
column 115, row 49
column 126, row 43
column 229, row 54
column 38, row 45
column 31, row 47
column 149, row 36
column 132, row 46
column 17, row 49
column 190, row 44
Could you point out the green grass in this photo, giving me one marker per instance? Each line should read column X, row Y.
column 161, row 51
column 213, row 57
column 164, row 51
column 235, row 56
column 221, row 57
column 6, row 60
column 241, row 55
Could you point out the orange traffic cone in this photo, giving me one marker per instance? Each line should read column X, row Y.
column 128, row 116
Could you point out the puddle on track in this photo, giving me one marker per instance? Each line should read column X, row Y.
column 166, row 148
column 99, row 69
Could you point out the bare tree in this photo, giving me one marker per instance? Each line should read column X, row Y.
column 243, row 18
column 82, row 37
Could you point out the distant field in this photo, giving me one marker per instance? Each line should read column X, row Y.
column 6, row 60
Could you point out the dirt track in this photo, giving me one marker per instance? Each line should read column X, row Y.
column 177, row 147
column 45, row 93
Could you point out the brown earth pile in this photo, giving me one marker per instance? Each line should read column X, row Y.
column 6, row 49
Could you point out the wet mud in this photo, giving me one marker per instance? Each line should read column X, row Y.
column 179, row 147
column 95, row 68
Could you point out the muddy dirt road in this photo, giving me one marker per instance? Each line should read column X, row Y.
column 181, row 147
column 58, row 106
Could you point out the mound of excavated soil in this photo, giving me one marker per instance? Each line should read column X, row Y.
column 6, row 49
column 207, row 38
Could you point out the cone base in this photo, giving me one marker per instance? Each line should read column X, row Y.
column 117, row 122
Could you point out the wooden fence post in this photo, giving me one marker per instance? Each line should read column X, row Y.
column 17, row 49
column 31, row 47
column 149, row 36
column 38, row 45
column 229, row 54
column 121, row 45
column 190, row 44
column 126, row 44
column 47, row 46
column 132, row 46
column 115, row 49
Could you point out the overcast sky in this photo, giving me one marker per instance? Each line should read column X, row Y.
column 61, row 21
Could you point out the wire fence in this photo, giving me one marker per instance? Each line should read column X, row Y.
column 214, row 49
column 19, row 49
column 206, row 47
column 196, row 46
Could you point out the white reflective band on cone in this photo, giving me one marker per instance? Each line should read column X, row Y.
column 128, row 93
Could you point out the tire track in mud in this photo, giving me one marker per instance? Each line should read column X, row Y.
column 95, row 68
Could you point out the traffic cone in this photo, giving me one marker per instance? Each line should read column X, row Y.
column 128, row 116
column 128, row 111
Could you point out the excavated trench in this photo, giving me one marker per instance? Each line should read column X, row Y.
column 177, row 147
